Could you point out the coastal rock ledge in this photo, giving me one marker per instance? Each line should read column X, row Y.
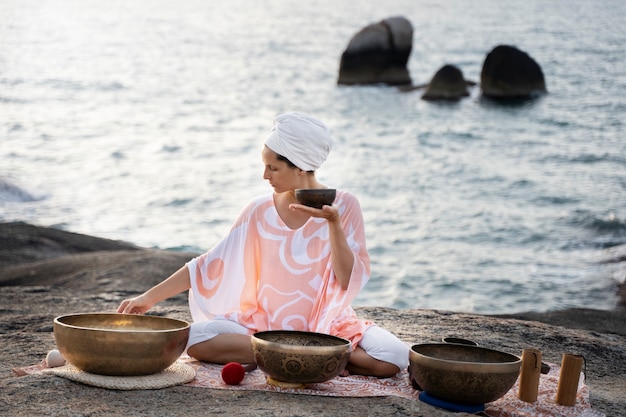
column 45, row 273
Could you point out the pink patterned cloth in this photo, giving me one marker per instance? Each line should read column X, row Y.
column 209, row 376
column 545, row 406
column 267, row 276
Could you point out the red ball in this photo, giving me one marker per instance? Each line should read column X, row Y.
column 233, row 373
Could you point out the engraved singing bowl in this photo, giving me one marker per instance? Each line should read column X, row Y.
column 300, row 357
column 463, row 374
column 120, row 344
column 316, row 197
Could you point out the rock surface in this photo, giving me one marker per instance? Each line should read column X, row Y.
column 378, row 53
column 509, row 73
column 448, row 83
column 33, row 293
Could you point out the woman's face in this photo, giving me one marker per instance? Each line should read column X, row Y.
column 278, row 173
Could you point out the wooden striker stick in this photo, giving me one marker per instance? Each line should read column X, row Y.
column 566, row 391
column 529, row 377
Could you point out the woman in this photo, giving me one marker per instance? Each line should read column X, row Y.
column 283, row 265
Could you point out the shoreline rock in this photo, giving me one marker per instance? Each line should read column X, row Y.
column 37, row 286
column 378, row 53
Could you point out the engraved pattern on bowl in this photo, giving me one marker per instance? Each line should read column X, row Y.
column 300, row 357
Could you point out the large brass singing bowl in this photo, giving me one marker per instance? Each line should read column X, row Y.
column 120, row 344
column 300, row 357
column 463, row 374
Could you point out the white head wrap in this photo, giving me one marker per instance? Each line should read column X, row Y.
column 303, row 139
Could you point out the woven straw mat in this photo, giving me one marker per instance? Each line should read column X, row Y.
column 176, row 374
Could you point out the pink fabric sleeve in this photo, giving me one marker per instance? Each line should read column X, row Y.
column 336, row 315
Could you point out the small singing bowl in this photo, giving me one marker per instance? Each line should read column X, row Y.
column 120, row 344
column 316, row 197
column 300, row 357
column 463, row 374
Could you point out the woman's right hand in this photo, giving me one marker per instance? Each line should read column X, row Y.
column 135, row 305
column 174, row 284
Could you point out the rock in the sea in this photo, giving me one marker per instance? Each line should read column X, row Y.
column 510, row 73
column 10, row 192
column 448, row 83
column 378, row 53
column 616, row 256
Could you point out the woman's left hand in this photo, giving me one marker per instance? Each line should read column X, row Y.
column 330, row 213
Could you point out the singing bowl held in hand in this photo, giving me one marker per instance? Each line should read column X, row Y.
column 300, row 357
column 120, row 344
column 316, row 197
column 463, row 374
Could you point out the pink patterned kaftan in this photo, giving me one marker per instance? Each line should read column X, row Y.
column 266, row 276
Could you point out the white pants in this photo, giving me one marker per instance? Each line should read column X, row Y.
column 376, row 341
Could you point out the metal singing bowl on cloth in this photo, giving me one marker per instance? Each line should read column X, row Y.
column 300, row 357
column 120, row 344
column 463, row 374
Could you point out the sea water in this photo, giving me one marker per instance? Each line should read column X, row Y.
column 143, row 121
